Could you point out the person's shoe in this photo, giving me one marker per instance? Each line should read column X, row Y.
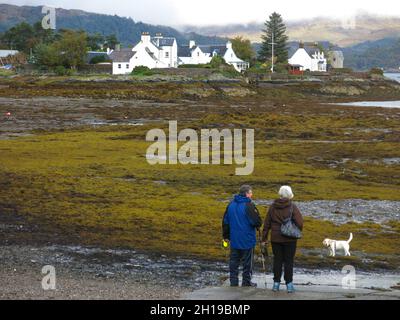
column 275, row 288
column 250, row 284
column 290, row 287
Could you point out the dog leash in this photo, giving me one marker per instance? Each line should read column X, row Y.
column 263, row 257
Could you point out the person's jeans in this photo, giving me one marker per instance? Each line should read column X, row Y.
column 237, row 256
column 283, row 257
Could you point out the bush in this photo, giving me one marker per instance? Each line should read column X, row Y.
column 281, row 68
column 256, row 71
column 229, row 71
column 217, row 61
column 376, row 71
column 197, row 66
column 342, row 70
column 62, row 71
column 99, row 59
column 142, row 71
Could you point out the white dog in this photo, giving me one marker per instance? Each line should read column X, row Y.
column 334, row 245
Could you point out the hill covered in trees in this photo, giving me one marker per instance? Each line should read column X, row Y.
column 384, row 53
column 126, row 30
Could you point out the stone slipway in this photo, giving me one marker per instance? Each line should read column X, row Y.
column 309, row 291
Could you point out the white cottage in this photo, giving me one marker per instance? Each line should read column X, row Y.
column 311, row 59
column 202, row 54
column 156, row 52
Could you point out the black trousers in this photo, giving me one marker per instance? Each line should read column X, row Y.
column 237, row 257
column 283, row 258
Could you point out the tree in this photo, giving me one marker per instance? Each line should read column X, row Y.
column 111, row 41
column 72, row 48
column 23, row 36
column 276, row 27
column 69, row 51
column 47, row 55
column 95, row 41
column 243, row 49
column 43, row 35
column 20, row 37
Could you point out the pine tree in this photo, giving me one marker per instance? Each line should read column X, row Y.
column 274, row 26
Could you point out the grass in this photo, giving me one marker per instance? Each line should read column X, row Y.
column 97, row 184
column 96, row 187
column 6, row 73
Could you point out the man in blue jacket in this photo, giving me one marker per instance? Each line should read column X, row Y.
column 241, row 219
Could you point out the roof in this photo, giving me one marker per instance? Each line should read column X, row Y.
column 221, row 49
column 151, row 54
column 124, row 55
column 311, row 47
column 185, row 51
column 6, row 53
column 163, row 42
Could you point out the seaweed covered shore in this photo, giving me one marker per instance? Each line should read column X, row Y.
column 73, row 167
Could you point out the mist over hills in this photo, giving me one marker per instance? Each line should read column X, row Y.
column 346, row 32
column 127, row 30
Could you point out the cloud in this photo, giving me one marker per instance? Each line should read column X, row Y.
column 206, row 12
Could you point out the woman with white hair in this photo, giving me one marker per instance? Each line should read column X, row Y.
column 283, row 248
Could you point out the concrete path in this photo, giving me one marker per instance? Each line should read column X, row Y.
column 324, row 290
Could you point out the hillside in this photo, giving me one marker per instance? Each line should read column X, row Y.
column 343, row 33
column 384, row 53
column 127, row 30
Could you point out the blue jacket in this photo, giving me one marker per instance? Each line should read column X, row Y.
column 240, row 221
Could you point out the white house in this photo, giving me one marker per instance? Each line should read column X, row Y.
column 152, row 52
column 6, row 53
column 311, row 59
column 202, row 54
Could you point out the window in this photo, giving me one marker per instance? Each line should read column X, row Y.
column 198, row 54
column 167, row 54
column 119, row 66
column 127, row 65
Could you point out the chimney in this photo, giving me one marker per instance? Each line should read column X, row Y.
column 229, row 45
column 118, row 47
column 145, row 37
column 301, row 44
column 157, row 38
column 192, row 43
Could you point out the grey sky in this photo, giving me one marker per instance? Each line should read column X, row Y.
column 205, row 12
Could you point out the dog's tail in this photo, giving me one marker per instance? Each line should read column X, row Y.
column 351, row 238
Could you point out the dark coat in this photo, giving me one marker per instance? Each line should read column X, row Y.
column 240, row 221
column 277, row 213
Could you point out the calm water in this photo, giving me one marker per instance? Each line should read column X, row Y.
column 394, row 76
column 382, row 104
